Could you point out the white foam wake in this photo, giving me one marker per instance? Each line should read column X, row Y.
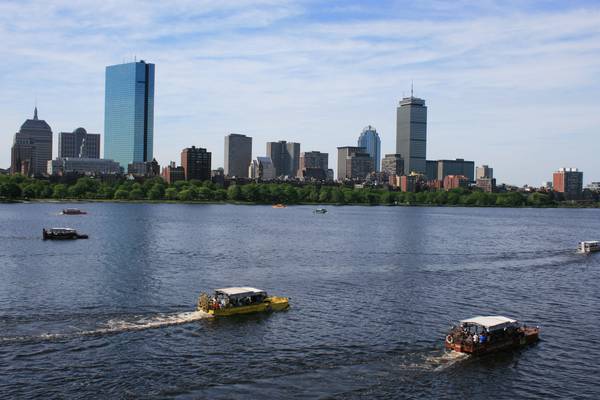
column 115, row 326
column 445, row 360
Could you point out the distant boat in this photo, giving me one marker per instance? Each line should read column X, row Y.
column 588, row 246
column 61, row 234
column 320, row 211
column 279, row 206
column 72, row 211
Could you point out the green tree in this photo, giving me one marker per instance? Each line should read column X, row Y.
column 220, row 195
column 185, row 195
column 171, row 193
column 204, row 193
column 136, row 194
column 121, row 194
column 234, row 193
column 29, row 191
column 337, row 196
column 60, row 191
column 10, row 190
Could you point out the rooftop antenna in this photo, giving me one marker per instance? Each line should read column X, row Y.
column 411, row 88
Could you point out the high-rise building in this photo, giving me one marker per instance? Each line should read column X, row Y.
column 455, row 167
column 411, row 134
column 431, row 169
column 129, row 113
column 285, row 157
column 568, row 181
column 32, row 147
column 313, row 165
column 484, row 172
column 147, row 169
column 196, row 163
column 262, row 168
column 369, row 139
column 172, row 173
column 393, row 164
column 83, row 166
column 354, row 163
column 455, row 182
column 78, row 144
column 238, row 155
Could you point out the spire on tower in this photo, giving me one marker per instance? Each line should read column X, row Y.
column 35, row 117
column 411, row 88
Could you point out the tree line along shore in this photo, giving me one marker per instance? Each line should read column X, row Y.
column 17, row 187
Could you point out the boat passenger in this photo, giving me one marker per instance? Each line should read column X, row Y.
column 482, row 338
column 475, row 338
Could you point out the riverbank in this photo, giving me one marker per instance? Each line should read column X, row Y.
column 248, row 203
column 19, row 188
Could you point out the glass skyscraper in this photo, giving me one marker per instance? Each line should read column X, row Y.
column 129, row 113
column 369, row 139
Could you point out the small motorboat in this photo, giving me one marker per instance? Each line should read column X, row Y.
column 320, row 211
column 279, row 206
column 588, row 246
column 72, row 211
column 61, row 234
column 481, row 335
column 240, row 300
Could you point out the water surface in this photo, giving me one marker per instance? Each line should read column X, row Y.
column 373, row 292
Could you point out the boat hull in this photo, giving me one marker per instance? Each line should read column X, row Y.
column 270, row 304
column 529, row 336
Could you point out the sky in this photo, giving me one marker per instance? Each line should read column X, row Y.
column 511, row 84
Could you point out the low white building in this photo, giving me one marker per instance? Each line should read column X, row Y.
column 83, row 166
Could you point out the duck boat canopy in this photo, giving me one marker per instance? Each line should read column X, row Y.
column 490, row 323
column 239, row 292
column 589, row 246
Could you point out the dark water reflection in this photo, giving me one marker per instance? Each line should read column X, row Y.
column 373, row 291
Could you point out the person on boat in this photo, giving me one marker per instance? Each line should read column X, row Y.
column 475, row 338
column 482, row 338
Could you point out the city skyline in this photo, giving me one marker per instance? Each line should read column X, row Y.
column 518, row 97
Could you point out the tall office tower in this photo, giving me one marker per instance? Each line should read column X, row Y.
column 456, row 167
column 238, row 155
column 129, row 113
column 313, row 165
column 78, row 144
column 393, row 164
column 354, row 163
column 32, row 147
column 568, row 181
column 369, row 139
column 484, row 172
column 196, row 163
column 262, row 168
column 411, row 134
column 285, row 157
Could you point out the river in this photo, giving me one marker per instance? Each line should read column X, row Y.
column 373, row 292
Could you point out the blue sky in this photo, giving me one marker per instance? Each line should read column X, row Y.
column 512, row 84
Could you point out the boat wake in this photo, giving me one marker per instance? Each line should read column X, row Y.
column 115, row 326
column 445, row 360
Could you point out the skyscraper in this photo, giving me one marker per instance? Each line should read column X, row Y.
column 354, row 163
column 196, row 163
column 32, row 147
column 411, row 134
column 238, row 155
column 285, row 157
column 393, row 164
column 369, row 139
column 78, row 144
column 568, row 181
column 129, row 113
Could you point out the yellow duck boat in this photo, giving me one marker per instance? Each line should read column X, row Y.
column 240, row 300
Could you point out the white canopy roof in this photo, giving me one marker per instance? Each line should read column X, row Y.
column 493, row 322
column 239, row 291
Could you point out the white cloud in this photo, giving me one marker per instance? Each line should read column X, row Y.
column 495, row 83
